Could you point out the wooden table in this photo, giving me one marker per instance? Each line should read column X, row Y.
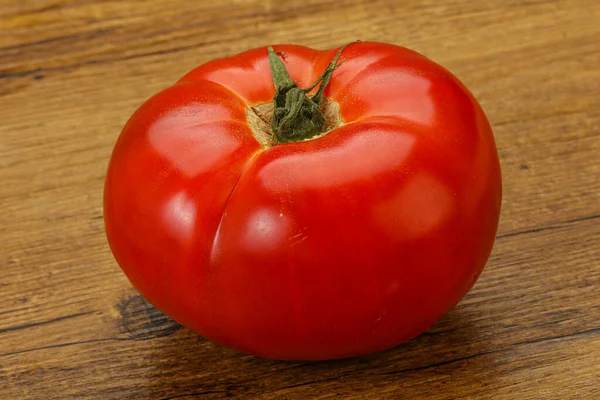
column 71, row 73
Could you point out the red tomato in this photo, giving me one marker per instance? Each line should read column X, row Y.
column 342, row 245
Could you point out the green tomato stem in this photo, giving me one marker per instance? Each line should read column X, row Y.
column 297, row 116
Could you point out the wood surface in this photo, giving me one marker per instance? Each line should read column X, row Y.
column 71, row 73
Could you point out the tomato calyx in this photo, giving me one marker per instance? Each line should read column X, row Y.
column 296, row 116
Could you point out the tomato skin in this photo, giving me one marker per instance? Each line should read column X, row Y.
column 340, row 246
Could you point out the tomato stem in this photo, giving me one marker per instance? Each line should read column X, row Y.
column 296, row 116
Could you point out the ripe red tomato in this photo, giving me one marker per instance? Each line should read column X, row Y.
column 343, row 244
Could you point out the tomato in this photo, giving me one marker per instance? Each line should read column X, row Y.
column 348, row 238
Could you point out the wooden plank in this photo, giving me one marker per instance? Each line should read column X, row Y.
column 71, row 72
column 537, row 290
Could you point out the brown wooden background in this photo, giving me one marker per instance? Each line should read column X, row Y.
column 71, row 73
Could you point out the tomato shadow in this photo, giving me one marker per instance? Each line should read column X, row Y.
column 206, row 369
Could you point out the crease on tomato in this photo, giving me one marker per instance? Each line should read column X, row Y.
column 246, row 167
column 226, row 88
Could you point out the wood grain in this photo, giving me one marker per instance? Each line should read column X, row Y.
column 71, row 73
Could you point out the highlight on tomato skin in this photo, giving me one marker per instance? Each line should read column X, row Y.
column 299, row 204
